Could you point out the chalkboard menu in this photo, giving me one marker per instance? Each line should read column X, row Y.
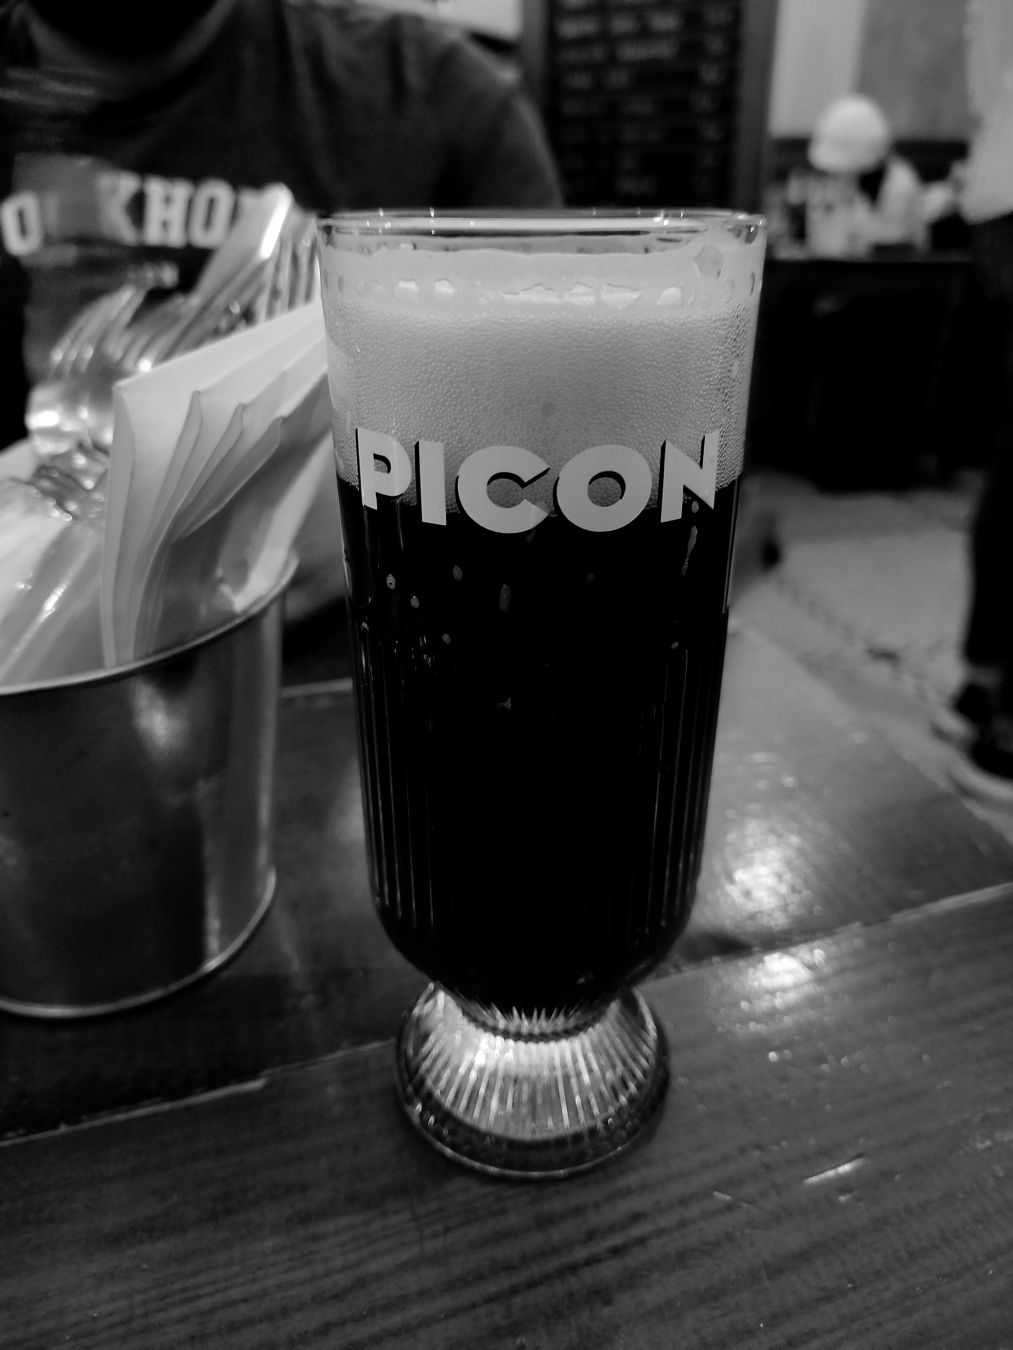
column 643, row 99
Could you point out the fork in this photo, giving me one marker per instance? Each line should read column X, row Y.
column 295, row 279
column 99, row 323
column 54, row 416
column 70, row 414
column 229, row 284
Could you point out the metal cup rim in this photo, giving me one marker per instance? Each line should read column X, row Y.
column 107, row 675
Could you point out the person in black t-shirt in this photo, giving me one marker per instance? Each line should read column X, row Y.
column 130, row 133
column 159, row 118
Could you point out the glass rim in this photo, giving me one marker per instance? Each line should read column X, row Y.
column 589, row 221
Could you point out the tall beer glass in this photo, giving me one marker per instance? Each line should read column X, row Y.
column 539, row 427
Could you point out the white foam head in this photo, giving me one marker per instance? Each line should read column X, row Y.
column 550, row 342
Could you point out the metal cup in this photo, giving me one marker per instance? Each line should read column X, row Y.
column 136, row 818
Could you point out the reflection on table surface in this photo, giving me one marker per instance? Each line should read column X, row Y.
column 831, row 1168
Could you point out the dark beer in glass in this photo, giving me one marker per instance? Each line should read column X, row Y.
column 539, row 426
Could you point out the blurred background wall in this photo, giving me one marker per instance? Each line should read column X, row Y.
column 817, row 56
column 906, row 54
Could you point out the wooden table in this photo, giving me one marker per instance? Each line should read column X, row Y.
column 833, row 1165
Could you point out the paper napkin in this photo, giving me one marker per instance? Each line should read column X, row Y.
column 216, row 458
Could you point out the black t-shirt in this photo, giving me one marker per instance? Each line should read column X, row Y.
column 348, row 106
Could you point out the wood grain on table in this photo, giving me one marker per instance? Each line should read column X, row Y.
column 832, row 1169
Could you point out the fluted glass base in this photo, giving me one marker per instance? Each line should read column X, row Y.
column 530, row 1096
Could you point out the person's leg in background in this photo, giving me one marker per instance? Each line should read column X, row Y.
column 985, row 703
